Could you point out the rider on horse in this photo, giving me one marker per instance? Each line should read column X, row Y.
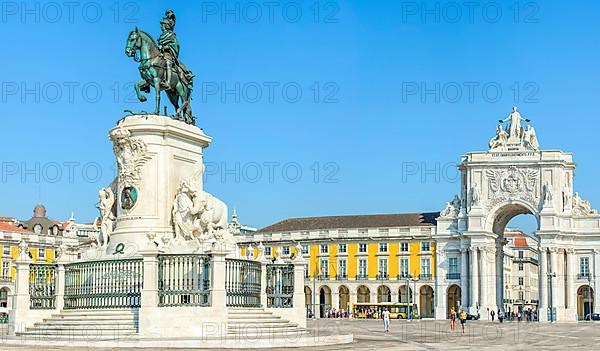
column 169, row 47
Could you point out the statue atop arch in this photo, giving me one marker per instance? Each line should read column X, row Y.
column 514, row 136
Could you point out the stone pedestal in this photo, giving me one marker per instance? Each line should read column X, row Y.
column 154, row 154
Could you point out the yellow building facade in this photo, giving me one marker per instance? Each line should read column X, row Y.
column 358, row 259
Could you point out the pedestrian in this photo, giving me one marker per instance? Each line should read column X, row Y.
column 452, row 319
column 500, row 316
column 463, row 319
column 386, row 320
column 519, row 316
column 492, row 313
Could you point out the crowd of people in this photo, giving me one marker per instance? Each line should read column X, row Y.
column 331, row 313
column 528, row 315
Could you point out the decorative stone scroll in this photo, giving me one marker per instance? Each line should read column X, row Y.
column 131, row 154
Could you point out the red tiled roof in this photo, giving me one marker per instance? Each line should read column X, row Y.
column 6, row 227
column 520, row 242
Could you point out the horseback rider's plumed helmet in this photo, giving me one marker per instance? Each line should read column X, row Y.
column 169, row 19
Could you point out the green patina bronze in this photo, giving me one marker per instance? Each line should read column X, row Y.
column 161, row 68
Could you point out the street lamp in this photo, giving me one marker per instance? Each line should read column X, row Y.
column 550, row 308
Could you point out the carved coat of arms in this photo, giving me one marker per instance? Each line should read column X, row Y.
column 512, row 183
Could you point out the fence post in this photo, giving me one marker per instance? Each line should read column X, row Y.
column 263, row 281
column 149, row 290
column 218, row 292
column 299, row 298
column 21, row 298
column 59, row 302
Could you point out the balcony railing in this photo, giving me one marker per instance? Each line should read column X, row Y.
column 341, row 277
column 362, row 277
column 403, row 276
column 323, row 277
column 452, row 275
column 383, row 276
column 4, row 278
column 425, row 277
column 583, row 276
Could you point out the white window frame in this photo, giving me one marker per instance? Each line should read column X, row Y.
column 324, row 248
column 343, row 267
column 451, row 266
column 286, row 250
column 360, row 246
column 6, row 250
column 383, row 247
column 423, row 266
column 324, row 267
column 404, row 245
column 404, row 267
column 41, row 253
column 344, row 246
column 362, row 267
column 427, row 244
column 584, row 266
column 304, row 249
column 382, row 266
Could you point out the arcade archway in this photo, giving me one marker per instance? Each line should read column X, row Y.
column 324, row 301
column 585, row 301
column 363, row 294
column 384, row 294
column 426, row 301
column 344, row 294
column 405, row 295
column 454, row 298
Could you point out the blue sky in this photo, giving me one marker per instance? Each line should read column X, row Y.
column 361, row 119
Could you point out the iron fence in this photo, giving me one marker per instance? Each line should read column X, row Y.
column 42, row 286
column 242, row 283
column 280, row 285
column 184, row 280
column 104, row 284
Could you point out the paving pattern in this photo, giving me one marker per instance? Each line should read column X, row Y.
column 430, row 335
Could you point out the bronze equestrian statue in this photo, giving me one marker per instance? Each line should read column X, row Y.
column 161, row 68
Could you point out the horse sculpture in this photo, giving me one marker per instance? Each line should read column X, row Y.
column 153, row 70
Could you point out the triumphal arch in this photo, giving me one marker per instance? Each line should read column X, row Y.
column 514, row 176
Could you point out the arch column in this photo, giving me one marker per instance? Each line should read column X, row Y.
column 335, row 298
column 555, row 279
column 474, row 279
column 543, row 286
column 464, row 279
column 484, row 280
column 571, row 312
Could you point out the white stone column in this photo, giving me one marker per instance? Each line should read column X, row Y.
column 464, row 279
column 555, row 284
column 492, row 278
column 484, row 282
column 474, row 280
column 560, row 284
column 441, row 283
column 595, row 278
column 543, row 286
column 571, row 312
